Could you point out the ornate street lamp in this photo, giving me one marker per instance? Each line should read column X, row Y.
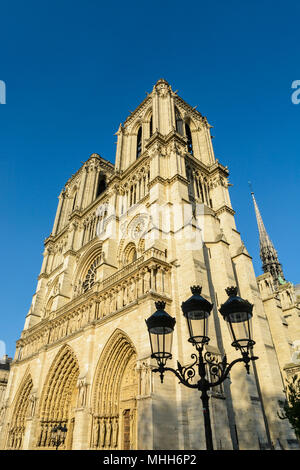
column 58, row 435
column 160, row 327
column 196, row 311
column 236, row 312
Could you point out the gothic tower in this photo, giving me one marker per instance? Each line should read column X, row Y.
column 125, row 235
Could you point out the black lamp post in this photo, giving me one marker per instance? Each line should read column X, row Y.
column 58, row 435
column 235, row 311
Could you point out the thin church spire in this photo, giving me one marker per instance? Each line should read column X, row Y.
column 268, row 254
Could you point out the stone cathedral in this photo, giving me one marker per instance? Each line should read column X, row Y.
column 125, row 235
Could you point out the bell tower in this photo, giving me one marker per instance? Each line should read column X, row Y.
column 161, row 115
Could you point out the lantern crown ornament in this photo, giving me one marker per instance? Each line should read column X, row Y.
column 235, row 304
column 160, row 318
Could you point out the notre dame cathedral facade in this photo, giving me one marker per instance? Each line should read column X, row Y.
column 125, row 235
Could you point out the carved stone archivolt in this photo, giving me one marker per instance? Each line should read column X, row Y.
column 59, row 397
column 23, row 409
column 114, row 392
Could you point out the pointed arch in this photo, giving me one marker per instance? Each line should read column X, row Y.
column 114, row 394
column 129, row 254
column 20, row 413
column 87, row 261
column 49, row 305
column 58, row 395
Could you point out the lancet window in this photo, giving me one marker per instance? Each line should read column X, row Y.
column 198, row 186
column 179, row 122
column 101, row 187
column 139, row 142
column 189, row 139
column 135, row 189
column 74, row 201
column 94, row 225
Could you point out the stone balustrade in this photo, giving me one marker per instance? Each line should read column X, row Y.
column 148, row 274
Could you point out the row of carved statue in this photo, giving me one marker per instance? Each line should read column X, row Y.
column 155, row 278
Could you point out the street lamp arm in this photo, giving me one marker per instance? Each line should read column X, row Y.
column 184, row 374
column 221, row 370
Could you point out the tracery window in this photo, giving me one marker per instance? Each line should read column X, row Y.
column 91, row 275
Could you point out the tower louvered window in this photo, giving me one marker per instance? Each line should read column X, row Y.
column 179, row 122
column 139, row 143
column 101, row 185
column 189, row 139
column 74, row 202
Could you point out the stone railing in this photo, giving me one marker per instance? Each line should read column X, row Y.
column 130, row 268
column 149, row 274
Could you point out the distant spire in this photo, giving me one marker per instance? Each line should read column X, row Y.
column 268, row 254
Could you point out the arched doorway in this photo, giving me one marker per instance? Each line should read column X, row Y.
column 59, row 398
column 114, row 396
column 20, row 413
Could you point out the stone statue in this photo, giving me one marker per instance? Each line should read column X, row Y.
column 96, row 433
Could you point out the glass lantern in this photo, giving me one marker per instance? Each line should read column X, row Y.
column 196, row 311
column 160, row 327
column 237, row 312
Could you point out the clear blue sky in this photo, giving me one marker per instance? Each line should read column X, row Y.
column 73, row 71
